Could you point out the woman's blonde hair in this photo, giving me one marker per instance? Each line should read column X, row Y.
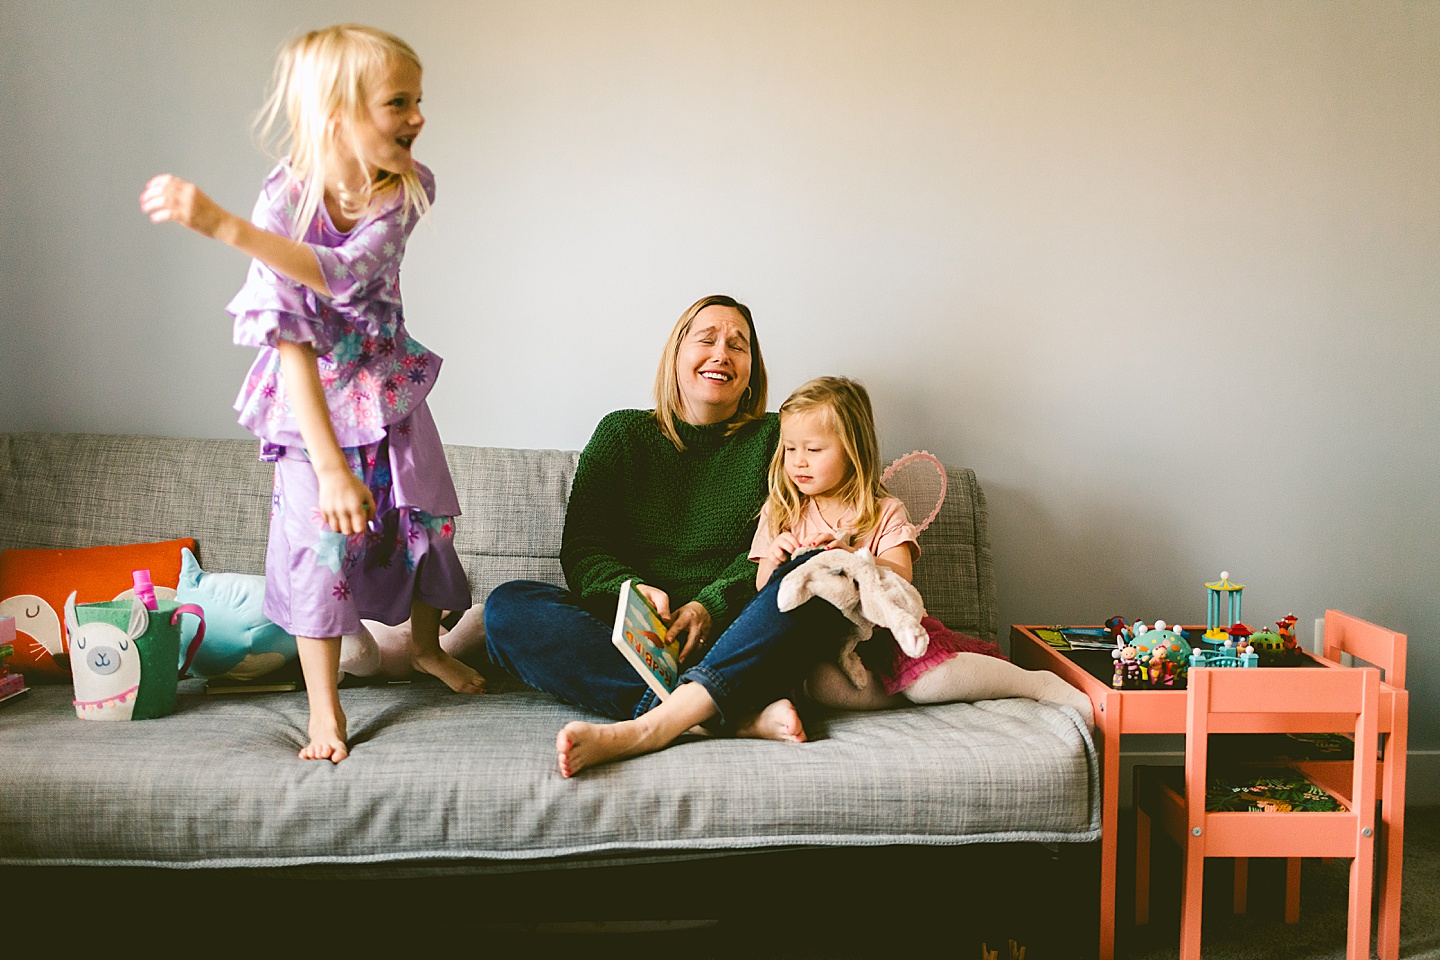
column 669, row 405
column 845, row 406
column 321, row 85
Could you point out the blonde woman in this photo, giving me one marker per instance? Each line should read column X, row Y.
column 364, row 506
column 668, row 498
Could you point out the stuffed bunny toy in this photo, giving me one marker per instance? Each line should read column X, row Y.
column 871, row 595
column 868, row 594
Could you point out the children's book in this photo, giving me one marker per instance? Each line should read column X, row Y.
column 641, row 636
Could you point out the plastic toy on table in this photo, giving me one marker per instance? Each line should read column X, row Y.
column 1146, row 656
column 1230, row 653
column 1278, row 647
column 1232, row 592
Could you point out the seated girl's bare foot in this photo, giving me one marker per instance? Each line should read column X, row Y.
column 779, row 721
column 454, row 674
column 580, row 744
column 327, row 741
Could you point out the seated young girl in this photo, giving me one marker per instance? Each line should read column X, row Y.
column 825, row 493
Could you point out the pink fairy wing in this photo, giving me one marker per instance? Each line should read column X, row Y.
column 918, row 478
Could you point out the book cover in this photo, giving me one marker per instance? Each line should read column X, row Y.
column 224, row 685
column 641, row 637
column 281, row 680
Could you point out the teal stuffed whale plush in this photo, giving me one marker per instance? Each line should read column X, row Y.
column 240, row 641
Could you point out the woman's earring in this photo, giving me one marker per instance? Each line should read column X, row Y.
column 746, row 394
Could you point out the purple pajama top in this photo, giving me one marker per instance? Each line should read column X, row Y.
column 373, row 372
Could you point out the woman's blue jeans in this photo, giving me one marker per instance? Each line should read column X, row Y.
column 543, row 635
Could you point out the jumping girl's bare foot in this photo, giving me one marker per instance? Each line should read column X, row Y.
column 327, row 740
column 779, row 721
column 455, row 675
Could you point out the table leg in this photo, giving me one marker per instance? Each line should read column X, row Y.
column 1108, row 726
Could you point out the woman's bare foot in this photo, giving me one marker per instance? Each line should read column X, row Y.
column 455, row 675
column 779, row 721
column 327, row 740
column 580, row 744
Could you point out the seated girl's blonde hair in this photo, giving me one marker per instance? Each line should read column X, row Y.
column 845, row 405
column 321, row 85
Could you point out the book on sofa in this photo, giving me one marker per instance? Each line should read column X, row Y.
column 642, row 636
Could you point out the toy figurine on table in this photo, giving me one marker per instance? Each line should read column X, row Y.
column 1231, row 652
column 1232, row 594
column 1278, row 647
column 1232, row 644
column 1157, row 656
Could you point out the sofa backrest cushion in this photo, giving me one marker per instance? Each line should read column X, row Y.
column 79, row 490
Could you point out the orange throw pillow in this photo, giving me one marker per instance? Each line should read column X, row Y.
column 35, row 583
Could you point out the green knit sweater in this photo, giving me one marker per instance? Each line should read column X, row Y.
column 678, row 520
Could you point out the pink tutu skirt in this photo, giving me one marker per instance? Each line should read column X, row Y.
column 896, row 670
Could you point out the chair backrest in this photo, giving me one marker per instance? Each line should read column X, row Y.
column 1366, row 641
column 1284, row 700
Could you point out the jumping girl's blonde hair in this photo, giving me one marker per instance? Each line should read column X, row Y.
column 322, row 84
column 669, row 406
column 845, row 407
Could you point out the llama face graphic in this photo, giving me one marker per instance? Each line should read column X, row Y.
column 105, row 664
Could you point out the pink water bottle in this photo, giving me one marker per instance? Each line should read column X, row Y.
column 145, row 590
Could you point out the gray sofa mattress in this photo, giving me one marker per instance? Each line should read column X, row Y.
column 438, row 777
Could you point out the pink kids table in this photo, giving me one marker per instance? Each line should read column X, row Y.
column 1121, row 712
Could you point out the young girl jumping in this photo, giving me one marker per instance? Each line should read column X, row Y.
column 825, row 493
column 362, row 516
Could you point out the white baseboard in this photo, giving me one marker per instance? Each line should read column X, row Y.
column 1422, row 774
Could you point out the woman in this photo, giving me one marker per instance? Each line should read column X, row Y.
column 669, row 498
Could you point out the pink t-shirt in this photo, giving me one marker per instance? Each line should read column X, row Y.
column 894, row 529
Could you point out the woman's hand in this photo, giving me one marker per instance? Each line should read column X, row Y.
column 169, row 198
column 658, row 598
column 345, row 502
column 691, row 621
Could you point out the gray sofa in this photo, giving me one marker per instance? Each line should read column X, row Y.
column 444, row 785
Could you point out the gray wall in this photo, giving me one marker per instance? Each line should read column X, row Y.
column 1164, row 273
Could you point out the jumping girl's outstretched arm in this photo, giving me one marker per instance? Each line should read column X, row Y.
column 169, row 198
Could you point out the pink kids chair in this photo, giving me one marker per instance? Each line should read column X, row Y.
column 1280, row 700
column 1348, row 636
